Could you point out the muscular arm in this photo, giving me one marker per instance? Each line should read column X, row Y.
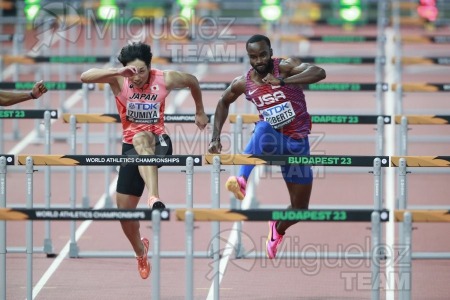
column 179, row 80
column 295, row 72
column 236, row 88
column 11, row 98
column 110, row 76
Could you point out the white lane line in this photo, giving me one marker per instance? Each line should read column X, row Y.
column 62, row 255
column 227, row 252
column 231, row 243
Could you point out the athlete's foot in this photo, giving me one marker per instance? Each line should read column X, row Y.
column 237, row 186
column 144, row 267
column 273, row 240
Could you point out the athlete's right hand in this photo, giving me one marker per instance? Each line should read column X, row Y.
column 214, row 147
column 127, row 71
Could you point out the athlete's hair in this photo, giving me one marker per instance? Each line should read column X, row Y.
column 258, row 38
column 134, row 51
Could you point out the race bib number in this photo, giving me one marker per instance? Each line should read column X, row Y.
column 279, row 115
column 147, row 113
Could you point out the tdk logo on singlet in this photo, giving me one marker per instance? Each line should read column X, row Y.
column 268, row 98
column 148, row 97
column 276, row 109
column 143, row 106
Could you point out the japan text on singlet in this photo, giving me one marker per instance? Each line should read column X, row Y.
column 142, row 109
column 284, row 107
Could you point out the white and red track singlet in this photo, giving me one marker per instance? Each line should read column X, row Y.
column 142, row 109
column 284, row 107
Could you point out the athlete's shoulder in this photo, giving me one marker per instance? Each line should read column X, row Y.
column 238, row 84
column 157, row 72
column 290, row 61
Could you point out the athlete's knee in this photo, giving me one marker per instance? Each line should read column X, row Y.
column 125, row 201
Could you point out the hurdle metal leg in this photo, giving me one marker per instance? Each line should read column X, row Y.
column 402, row 185
column 189, row 255
column 156, row 225
column 378, row 185
column 380, row 136
column 73, row 248
column 216, row 225
column 403, row 136
column 2, row 131
column 48, row 247
column 189, row 182
column 3, row 229
column 215, row 196
column 405, row 269
column 237, row 146
column 381, row 55
column 375, row 263
column 29, row 227
column 108, row 134
column 85, row 177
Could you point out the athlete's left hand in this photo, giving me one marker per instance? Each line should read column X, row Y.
column 201, row 120
column 270, row 79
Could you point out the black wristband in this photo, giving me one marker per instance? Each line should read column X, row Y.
column 32, row 96
column 281, row 79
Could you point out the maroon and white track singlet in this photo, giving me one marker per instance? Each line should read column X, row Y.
column 283, row 107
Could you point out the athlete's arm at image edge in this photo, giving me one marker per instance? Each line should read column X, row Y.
column 229, row 96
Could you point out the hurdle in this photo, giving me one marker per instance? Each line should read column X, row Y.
column 315, row 87
column 89, row 118
column 404, row 121
column 224, row 215
column 325, row 160
column 352, row 60
column 183, row 59
column 405, row 162
column 47, row 115
column 19, row 114
column 436, row 39
column 51, row 85
column 426, row 87
column 379, row 121
column 407, row 218
column 215, row 86
column 29, row 215
column 73, row 161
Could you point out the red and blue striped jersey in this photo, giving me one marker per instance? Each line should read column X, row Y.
column 284, row 107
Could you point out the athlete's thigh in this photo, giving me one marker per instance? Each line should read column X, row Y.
column 301, row 174
column 265, row 140
column 129, row 181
